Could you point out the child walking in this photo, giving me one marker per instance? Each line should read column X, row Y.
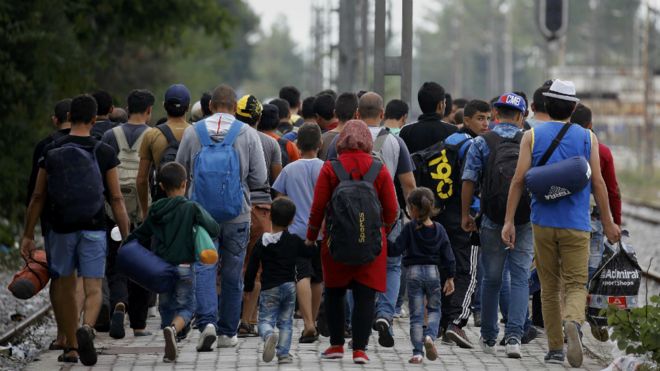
column 425, row 246
column 297, row 181
column 170, row 224
column 276, row 252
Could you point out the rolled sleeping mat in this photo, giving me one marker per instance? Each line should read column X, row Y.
column 561, row 179
column 146, row 268
column 32, row 278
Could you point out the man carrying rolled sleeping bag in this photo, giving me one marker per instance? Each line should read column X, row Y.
column 562, row 228
column 179, row 232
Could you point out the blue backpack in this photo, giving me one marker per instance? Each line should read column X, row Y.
column 75, row 182
column 217, row 174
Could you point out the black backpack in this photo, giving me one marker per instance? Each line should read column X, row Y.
column 168, row 155
column 285, row 154
column 355, row 217
column 438, row 168
column 75, row 182
column 496, row 180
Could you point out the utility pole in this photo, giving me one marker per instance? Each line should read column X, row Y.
column 389, row 65
column 648, row 95
column 508, row 47
column 348, row 53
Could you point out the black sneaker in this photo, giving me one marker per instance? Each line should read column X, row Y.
column 457, row 334
column 86, row 351
column 117, row 322
column 554, row 356
column 599, row 333
column 385, row 338
column 529, row 335
column 574, row 340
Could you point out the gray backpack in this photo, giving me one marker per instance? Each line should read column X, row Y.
column 355, row 218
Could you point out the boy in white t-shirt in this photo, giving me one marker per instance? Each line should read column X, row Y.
column 297, row 181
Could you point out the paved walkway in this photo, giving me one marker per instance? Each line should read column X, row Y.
column 146, row 353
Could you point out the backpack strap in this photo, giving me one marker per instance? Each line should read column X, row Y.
column 203, row 133
column 234, row 130
column 380, row 140
column 373, row 171
column 554, row 145
column 168, row 134
column 120, row 136
column 492, row 140
column 340, row 171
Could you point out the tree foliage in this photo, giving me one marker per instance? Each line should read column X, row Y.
column 51, row 49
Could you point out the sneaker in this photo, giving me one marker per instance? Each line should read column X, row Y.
column 476, row 317
column 86, row 351
column 429, row 347
column 117, row 322
column 488, row 346
column 385, row 338
column 529, row 335
column 184, row 333
column 416, row 359
column 206, row 339
column 169, row 333
column 574, row 349
column 445, row 340
column 554, row 356
column 360, row 357
column 599, row 333
column 333, row 352
column 225, row 341
column 269, row 347
column 285, row 360
column 513, row 348
column 403, row 313
column 457, row 334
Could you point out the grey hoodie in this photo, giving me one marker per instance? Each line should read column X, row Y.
column 250, row 155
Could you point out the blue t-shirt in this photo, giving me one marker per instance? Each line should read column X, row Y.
column 298, row 180
column 571, row 212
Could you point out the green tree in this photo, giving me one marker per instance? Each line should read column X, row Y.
column 51, row 49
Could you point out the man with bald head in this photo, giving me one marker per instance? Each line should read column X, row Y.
column 234, row 235
column 395, row 156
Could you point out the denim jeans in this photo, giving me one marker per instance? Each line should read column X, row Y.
column 597, row 245
column 520, row 261
column 180, row 301
column 233, row 243
column 276, row 308
column 206, row 295
column 386, row 301
column 402, row 292
column 423, row 282
column 505, row 291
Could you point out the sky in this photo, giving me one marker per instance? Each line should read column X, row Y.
column 297, row 14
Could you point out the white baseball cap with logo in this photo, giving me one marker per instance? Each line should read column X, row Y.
column 563, row 90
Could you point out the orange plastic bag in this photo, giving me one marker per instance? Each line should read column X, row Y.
column 32, row 278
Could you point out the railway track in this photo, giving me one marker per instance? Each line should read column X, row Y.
column 24, row 324
column 643, row 217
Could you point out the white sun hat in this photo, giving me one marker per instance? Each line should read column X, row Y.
column 563, row 90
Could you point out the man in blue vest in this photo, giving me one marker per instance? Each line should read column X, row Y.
column 561, row 227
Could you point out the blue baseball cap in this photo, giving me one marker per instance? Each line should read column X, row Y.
column 178, row 94
column 511, row 100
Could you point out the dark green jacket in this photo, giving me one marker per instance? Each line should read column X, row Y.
column 168, row 229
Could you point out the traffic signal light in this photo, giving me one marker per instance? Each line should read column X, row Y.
column 552, row 18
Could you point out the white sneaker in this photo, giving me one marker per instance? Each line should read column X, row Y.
column 269, row 347
column 206, row 339
column 513, row 348
column 225, row 341
column 488, row 346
